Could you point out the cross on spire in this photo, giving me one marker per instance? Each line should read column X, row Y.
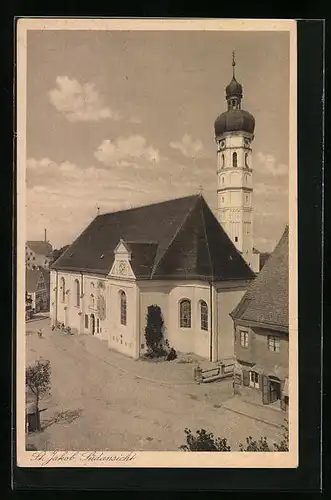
column 233, row 62
column 200, row 190
column 98, row 210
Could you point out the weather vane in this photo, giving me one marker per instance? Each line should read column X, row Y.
column 233, row 62
column 98, row 210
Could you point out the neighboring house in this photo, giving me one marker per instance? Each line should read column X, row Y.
column 261, row 324
column 172, row 254
column 37, row 254
column 37, row 282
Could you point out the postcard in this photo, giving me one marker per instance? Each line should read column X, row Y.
column 157, row 243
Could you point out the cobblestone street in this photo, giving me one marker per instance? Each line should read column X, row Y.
column 103, row 400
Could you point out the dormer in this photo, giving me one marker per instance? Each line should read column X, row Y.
column 121, row 267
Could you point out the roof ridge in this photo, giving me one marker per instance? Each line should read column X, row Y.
column 204, row 228
column 150, row 204
column 175, row 235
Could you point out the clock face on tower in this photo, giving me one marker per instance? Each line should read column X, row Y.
column 222, row 144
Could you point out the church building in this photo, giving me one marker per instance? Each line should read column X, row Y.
column 174, row 254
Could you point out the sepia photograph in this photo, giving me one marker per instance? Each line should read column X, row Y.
column 156, row 243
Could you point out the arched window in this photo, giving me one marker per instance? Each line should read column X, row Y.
column 185, row 313
column 203, row 315
column 246, row 160
column 63, row 289
column 92, row 301
column 123, row 308
column 234, row 160
column 223, row 161
column 77, row 291
column 92, row 287
column 223, row 179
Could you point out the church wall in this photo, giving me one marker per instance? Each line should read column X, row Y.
column 189, row 339
column 123, row 338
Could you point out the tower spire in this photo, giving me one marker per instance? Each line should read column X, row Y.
column 234, row 64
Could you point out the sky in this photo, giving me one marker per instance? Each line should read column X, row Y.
column 117, row 119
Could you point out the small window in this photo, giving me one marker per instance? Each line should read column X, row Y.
column 33, row 258
column 243, row 338
column 246, row 160
column 223, row 161
column 273, row 343
column 222, row 199
column 222, row 180
column 203, row 315
column 234, row 160
column 236, row 239
column 92, row 301
column 98, row 325
column 254, row 380
column 86, row 321
column 246, row 199
column 185, row 313
column 123, row 307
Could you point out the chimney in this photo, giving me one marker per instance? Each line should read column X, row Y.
column 45, row 235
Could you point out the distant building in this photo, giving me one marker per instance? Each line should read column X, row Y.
column 37, row 288
column 172, row 254
column 38, row 254
column 261, row 324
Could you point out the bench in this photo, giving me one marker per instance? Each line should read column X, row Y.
column 205, row 376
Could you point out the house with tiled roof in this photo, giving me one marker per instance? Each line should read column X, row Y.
column 261, row 324
column 37, row 285
column 38, row 254
column 173, row 254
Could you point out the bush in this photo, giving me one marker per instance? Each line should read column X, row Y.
column 204, row 441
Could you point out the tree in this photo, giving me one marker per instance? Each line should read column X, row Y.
column 154, row 331
column 37, row 378
column 205, row 441
column 56, row 254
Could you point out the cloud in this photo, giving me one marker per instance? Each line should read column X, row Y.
column 126, row 151
column 187, row 146
column 79, row 102
column 270, row 190
column 270, row 166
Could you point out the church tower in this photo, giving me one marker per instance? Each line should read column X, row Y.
column 234, row 134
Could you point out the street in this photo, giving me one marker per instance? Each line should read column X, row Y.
column 101, row 400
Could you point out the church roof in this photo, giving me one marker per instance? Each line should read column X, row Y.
column 266, row 300
column 40, row 247
column 179, row 238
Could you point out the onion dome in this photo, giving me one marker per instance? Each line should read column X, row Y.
column 234, row 120
column 234, row 89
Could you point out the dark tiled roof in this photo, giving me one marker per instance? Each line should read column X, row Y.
column 179, row 238
column 266, row 300
column 40, row 247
